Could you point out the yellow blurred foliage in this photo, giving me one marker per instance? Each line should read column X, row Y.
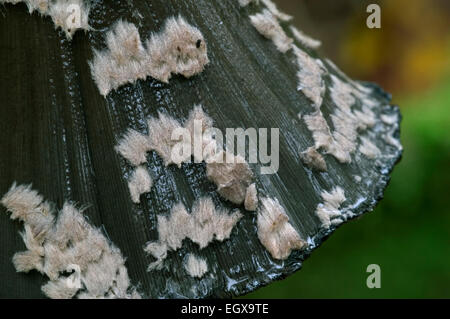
column 409, row 53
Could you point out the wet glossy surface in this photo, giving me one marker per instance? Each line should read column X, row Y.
column 58, row 133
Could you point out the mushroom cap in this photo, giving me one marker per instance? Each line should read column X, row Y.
column 60, row 133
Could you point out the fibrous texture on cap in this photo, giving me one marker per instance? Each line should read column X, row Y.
column 139, row 183
column 179, row 48
column 231, row 173
column 392, row 121
column 271, row 6
column 305, row 39
column 309, row 75
column 251, row 198
column 267, row 24
column 134, row 146
column 368, row 148
column 66, row 140
column 160, row 136
column 328, row 211
column 195, row 266
column 274, row 230
column 313, row 159
column 66, row 243
column 204, row 224
column 348, row 122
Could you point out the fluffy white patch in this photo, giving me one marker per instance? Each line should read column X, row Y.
column 389, row 119
column 160, row 136
column 195, row 266
column 346, row 122
column 328, row 211
column 139, row 183
column 65, row 244
column 59, row 289
column 391, row 140
column 134, row 146
column 274, row 230
column 305, row 39
column 271, row 6
column 204, row 224
column 313, row 159
column 69, row 15
column 365, row 118
column 368, row 148
column 232, row 175
column 251, row 198
column 393, row 122
column 309, row 75
column 178, row 49
column 29, row 207
column 342, row 142
column 267, row 24
column 320, row 130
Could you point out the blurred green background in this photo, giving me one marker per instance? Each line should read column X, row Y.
column 408, row 234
